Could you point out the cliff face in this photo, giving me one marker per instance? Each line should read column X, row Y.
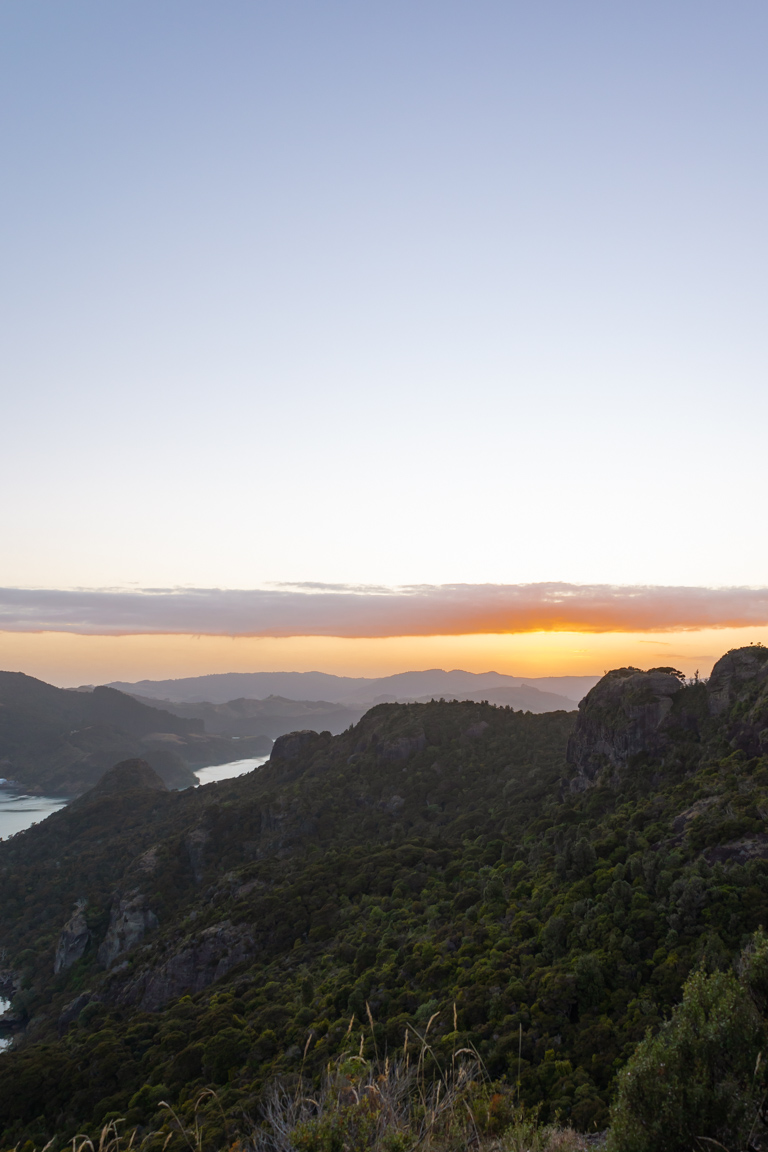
column 738, row 698
column 73, row 941
column 129, row 922
column 624, row 715
column 631, row 714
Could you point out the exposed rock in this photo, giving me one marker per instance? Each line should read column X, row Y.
column 147, row 862
column 630, row 712
column 294, row 744
column 73, row 941
column 129, row 922
column 403, row 747
column 738, row 697
column 681, row 822
column 736, row 671
column 201, row 961
column 621, row 717
column 195, row 842
column 739, row 851
column 71, row 1011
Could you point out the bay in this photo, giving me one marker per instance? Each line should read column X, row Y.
column 19, row 810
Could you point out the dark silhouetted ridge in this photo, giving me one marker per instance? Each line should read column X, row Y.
column 127, row 776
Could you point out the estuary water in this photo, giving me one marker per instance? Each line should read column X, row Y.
column 18, row 810
column 229, row 771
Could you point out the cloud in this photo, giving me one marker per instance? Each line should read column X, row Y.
column 355, row 611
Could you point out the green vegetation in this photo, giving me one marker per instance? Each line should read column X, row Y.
column 701, row 1075
column 431, row 868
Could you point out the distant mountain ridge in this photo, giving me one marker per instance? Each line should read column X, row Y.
column 276, row 715
column 361, row 691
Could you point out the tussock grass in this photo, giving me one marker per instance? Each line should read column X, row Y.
column 358, row 1107
column 408, row 1104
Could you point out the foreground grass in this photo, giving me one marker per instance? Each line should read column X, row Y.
column 358, row 1107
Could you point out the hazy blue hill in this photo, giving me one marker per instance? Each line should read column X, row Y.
column 352, row 691
column 524, row 698
column 276, row 715
column 271, row 717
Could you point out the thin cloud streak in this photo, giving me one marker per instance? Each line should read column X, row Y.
column 375, row 612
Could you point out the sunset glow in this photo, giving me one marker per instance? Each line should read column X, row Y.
column 70, row 660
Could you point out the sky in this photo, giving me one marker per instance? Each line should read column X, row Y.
column 327, row 303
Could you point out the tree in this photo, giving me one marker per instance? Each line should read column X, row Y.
column 699, row 1078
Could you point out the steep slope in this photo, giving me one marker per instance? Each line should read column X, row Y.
column 438, row 862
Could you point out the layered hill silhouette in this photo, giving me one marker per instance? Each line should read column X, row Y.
column 59, row 742
column 535, row 886
column 271, row 717
column 359, row 692
column 276, row 715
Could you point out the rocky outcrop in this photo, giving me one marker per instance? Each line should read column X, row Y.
column 294, row 745
column 71, row 1011
column 630, row 712
column 738, row 698
column 621, row 717
column 129, row 922
column 73, row 941
column 735, row 676
column 201, row 961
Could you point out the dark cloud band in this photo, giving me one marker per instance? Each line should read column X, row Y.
column 353, row 611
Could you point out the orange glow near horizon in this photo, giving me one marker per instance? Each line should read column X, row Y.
column 69, row 660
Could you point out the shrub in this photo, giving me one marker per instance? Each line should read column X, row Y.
column 698, row 1078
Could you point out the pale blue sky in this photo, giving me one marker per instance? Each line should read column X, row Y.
column 383, row 292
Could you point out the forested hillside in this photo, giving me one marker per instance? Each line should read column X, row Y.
column 443, row 862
